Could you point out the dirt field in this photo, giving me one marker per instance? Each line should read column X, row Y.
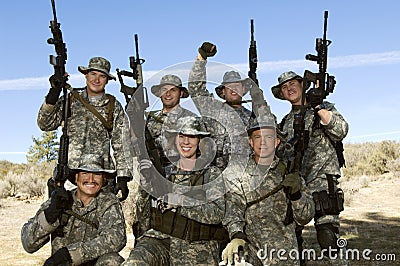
column 371, row 220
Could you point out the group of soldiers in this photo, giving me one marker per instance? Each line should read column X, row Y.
column 225, row 189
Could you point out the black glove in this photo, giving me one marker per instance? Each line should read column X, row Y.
column 122, row 185
column 314, row 97
column 59, row 258
column 207, row 49
column 60, row 200
column 55, row 90
column 292, row 183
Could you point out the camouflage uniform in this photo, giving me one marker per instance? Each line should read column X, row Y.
column 320, row 159
column 262, row 222
column 158, row 247
column 231, row 122
column 182, row 251
column 87, row 134
column 84, row 242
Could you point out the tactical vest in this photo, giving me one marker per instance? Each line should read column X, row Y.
column 174, row 224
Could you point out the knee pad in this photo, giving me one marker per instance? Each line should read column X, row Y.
column 327, row 235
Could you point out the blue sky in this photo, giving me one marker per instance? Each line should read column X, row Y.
column 364, row 55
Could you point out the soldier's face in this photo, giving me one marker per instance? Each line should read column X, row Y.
column 187, row 145
column 233, row 92
column 96, row 82
column 170, row 96
column 292, row 91
column 89, row 184
column 264, row 141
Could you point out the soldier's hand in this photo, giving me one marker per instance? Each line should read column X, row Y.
column 122, row 185
column 169, row 201
column 60, row 200
column 61, row 257
column 207, row 49
column 292, row 182
column 56, row 84
column 231, row 251
column 314, row 97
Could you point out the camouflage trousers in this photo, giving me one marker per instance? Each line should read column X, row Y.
column 185, row 253
column 149, row 251
column 109, row 259
column 316, row 185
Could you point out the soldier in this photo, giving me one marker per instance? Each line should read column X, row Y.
column 257, row 209
column 170, row 91
column 228, row 120
column 320, row 167
column 96, row 120
column 185, row 222
column 94, row 234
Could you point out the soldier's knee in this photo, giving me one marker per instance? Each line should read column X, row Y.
column 327, row 235
column 109, row 259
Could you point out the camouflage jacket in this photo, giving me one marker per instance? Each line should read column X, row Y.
column 226, row 124
column 262, row 221
column 84, row 242
column 86, row 133
column 157, row 122
column 320, row 157
column 209, row 209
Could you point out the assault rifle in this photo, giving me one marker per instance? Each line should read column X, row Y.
column 259, row 105
column 252, row 55
column 136, row 105
column 326, row 82
column 61, row 172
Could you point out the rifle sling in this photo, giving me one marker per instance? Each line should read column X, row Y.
column 108, row 124
column 83, row 219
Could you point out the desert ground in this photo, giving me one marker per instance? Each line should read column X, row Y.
column 371, row 220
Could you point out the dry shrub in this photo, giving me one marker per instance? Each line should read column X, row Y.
column 30, row 181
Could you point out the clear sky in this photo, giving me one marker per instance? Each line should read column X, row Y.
column 364, row 55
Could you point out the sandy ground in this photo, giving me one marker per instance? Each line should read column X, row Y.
column 370, row 221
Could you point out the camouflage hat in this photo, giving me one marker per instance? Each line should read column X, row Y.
column 276, row 90
column 262, row 121
column 169, row 80
column 99, row 64
column 232, row 77
column 188, row 125
column 92, row 163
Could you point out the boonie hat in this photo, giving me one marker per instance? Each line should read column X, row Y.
column 188, row 125
column 286, row 76
column 99, row 64
column 169, row 80
column 232, row 77
column 92, row 163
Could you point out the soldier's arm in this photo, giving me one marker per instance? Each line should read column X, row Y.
column 50, row 116
column 235, row 202
column 336, row 127
column 36, row 232
column 111, row 236
column 117, row 140
column 198, row 78
column 303, row 208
